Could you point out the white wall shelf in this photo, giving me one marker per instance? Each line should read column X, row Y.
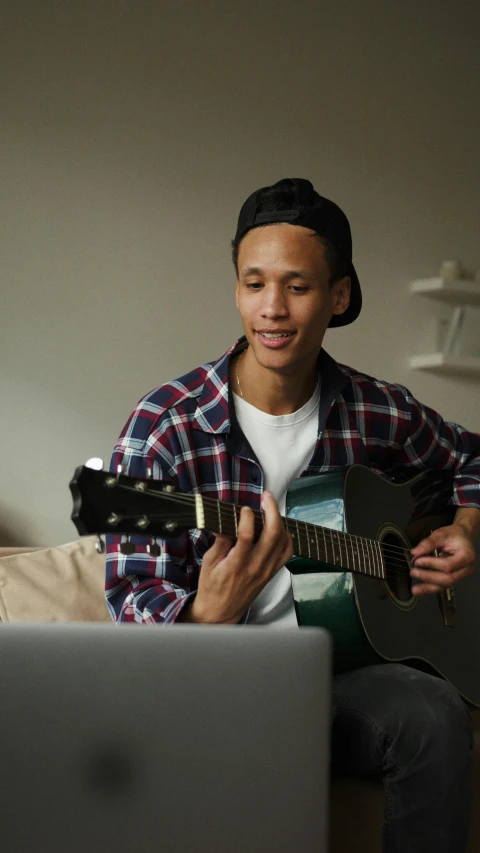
column 460, row 291
column 437, row 362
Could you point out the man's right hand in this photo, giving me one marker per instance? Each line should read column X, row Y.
column 233, row 574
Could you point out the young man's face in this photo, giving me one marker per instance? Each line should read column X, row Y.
column 283, row 295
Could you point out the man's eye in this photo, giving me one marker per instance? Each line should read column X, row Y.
column 254, row 285
column 299, row 288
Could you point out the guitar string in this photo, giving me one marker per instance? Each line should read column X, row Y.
column 357, row 557
column 214, row 503
column 355, row 553
column 387, row 570
column 347, row 539
column 186, row 498
column 361, row 555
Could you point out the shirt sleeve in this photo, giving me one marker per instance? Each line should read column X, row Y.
column 427, row 442
column 141, row 587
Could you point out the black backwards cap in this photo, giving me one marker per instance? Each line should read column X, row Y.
column 321, row 215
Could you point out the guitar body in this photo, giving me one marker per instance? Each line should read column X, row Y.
column 371, row 619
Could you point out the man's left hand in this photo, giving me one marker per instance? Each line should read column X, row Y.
column 456, row 559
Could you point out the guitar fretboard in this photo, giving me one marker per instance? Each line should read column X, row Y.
column 339, row 549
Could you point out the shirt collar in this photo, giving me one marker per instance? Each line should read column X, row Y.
column 215, row 411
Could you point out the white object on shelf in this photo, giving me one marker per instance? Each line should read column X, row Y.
column 457, row 290
column 465, row 339
column 451, row 269
column 450, row 344
column 441, row 363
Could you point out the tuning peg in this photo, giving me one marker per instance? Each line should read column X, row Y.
column 126, row 547
column 153, row 548
column 99, row 545
column 95, row 463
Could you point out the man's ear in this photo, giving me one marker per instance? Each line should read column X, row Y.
column 237, row 289
column 341, row 295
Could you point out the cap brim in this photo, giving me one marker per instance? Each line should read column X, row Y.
column 355, row 305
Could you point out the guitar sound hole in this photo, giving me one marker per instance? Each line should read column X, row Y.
column 397, row 565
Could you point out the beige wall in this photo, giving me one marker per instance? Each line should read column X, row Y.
column 130, row 134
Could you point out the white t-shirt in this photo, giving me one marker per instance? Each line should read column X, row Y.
column 284, row 445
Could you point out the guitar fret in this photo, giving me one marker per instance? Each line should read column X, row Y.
column 308, row 539
column 380, row 557
column 361, row 554
column 366, row 556
column 336, row 548
column 368, row 566
column 339, row 546
column 312, row 534
column 354, row 554
column 316, row 541
column 359, row 548
column 340, row 551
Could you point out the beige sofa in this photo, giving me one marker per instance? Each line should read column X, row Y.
column 65, row 584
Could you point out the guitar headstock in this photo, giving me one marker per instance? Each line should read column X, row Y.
column 115, row 503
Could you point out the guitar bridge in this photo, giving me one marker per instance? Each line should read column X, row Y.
column 446, row 600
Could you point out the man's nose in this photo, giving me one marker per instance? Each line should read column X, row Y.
column 274, row 303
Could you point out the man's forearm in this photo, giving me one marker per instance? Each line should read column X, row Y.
column 469, row 518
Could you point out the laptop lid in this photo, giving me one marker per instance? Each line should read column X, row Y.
column 124, row 738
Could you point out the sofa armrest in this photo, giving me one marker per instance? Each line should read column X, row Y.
column 8, row 552
column 61, row 584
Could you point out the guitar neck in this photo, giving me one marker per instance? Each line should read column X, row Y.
column 117, row 503
column 335, row 547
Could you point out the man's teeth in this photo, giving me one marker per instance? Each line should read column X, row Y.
column 275, row 335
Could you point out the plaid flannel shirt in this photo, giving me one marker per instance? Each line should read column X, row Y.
column 186, row 431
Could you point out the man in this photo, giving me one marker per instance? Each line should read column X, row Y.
column 241, row 429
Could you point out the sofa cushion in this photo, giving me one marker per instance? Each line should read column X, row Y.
column 61, row 584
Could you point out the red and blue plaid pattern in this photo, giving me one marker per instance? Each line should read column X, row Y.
column 186, row 431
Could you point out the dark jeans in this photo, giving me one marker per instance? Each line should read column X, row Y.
column 412, row 730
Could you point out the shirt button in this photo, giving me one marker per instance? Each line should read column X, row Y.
column 254, row 478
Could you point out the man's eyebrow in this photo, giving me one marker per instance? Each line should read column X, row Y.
column 290, row 274
column 299, row 274
column 251, row 271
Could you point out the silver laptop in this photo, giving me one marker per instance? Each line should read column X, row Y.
column 176, row 739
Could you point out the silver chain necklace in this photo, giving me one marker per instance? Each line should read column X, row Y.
column 237, row 376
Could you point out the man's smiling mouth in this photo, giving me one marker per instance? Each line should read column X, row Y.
column 273, row 335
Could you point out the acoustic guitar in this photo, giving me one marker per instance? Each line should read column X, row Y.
column 352, row 532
